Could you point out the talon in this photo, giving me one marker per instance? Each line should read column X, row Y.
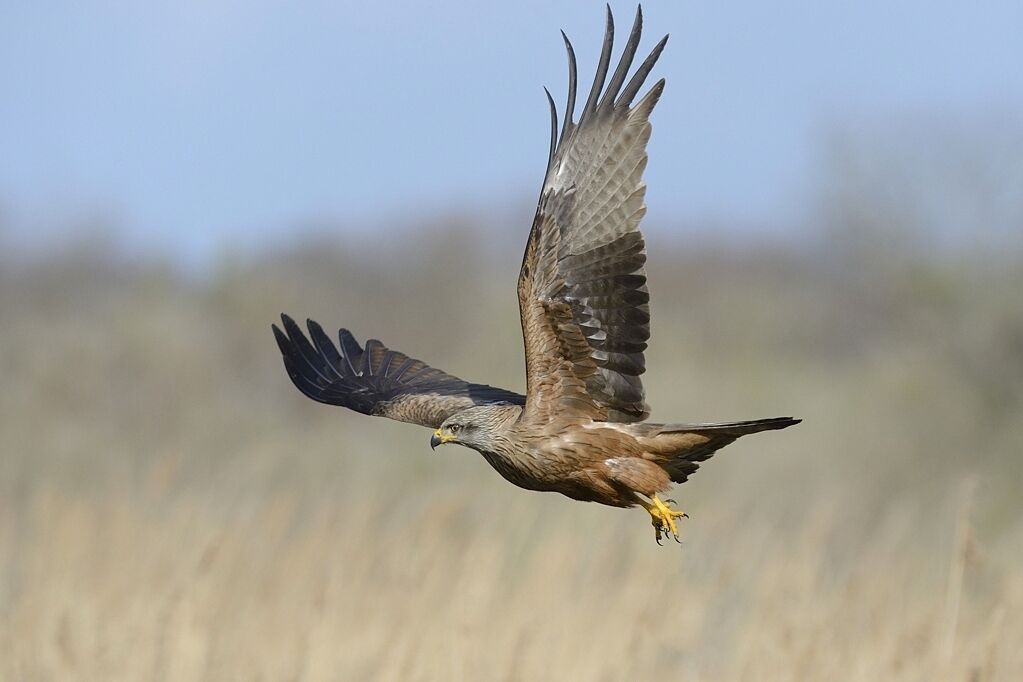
column 662, row 518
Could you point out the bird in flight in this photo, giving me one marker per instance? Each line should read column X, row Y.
column 585, row 312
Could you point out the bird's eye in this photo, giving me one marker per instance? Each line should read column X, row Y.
column 455, row 428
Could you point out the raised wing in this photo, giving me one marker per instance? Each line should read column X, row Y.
column 375, row 380
column 582, row 287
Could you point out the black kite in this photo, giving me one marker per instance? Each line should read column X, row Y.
column 585, row 317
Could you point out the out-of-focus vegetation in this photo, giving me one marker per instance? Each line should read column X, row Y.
column 171, row 508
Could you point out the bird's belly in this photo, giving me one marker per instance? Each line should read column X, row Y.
column 544, row 474
column 516, row 472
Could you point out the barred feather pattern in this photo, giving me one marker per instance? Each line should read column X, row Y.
column 586, row 255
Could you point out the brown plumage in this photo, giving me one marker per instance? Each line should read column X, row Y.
column 585, row 317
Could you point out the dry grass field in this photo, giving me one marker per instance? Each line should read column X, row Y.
column 172, row 509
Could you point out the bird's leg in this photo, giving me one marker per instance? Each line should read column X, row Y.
column 663, row 518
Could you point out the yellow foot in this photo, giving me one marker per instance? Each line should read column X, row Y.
column 663, row 518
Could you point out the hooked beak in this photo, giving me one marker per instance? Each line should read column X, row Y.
column 438, row 438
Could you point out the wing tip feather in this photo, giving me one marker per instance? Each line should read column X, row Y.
column 603, row 63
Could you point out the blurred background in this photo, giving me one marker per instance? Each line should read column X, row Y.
column 835, row 231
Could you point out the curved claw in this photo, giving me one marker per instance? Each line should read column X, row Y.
column 663, row 517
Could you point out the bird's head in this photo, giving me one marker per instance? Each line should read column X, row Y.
column 476, row 427
column 451, row 431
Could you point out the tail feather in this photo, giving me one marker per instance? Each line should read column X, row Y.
column 733, row 428
column 681, row 447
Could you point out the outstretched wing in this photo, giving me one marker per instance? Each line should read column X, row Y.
column 375, row 380
column 582, row 287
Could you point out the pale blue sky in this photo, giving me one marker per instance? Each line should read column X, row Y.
column 200, row 123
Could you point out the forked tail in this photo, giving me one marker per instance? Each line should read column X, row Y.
column 732, row 428
column 681, row 447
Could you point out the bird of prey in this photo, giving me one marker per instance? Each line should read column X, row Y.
column 584, row 306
